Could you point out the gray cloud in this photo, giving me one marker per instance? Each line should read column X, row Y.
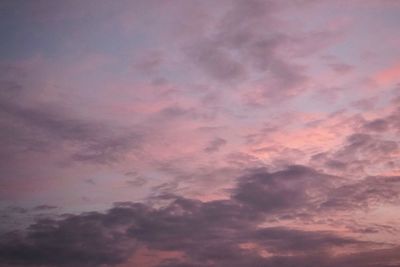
column 365, row 193
column 283, row 190
column 40, row 128
column 378, row 125
column 44, row 208
column 215, row 145
column 360, row 153
column 238, row 46
column 213, row 233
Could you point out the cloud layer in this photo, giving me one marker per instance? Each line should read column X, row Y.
column 230, row 232
column 220, row 133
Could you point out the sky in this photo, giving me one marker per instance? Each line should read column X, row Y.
column 200, row 133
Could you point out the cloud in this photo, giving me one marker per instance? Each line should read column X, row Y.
column 42, row 127
column 205, row 111
column 44, row 208
column 285, row 241
column 248, row 43
column 366, row 193
column 225, row 232
column 388, row 76
column 378, row 125
column 361, row 153
column 216, row 62
column 76, row 241
column 215, row 145
column 280, row 191
column 341, row 68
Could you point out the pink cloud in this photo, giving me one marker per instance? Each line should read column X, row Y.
column 388, row 76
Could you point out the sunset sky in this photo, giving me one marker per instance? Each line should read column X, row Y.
column 200, row 133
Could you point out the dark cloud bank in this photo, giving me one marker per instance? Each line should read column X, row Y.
column 230, row 232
